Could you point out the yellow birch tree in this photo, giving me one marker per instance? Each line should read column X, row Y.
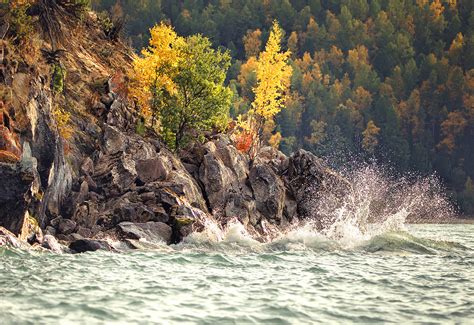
column 273, row 74
column 155, row 69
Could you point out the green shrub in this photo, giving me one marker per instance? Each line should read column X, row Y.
column 141, row 128
column 112, row 27
column 76, row 7
column 58, row 78
column 21, row 24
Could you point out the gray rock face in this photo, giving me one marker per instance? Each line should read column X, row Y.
column 241, row 208
column 217, row 179
column 19, row 185
column 87, row 166
column 121, row 180
column 15, row 184
column 269, row 192
column 47, row 148
column 151, row 170
column 179, row 177
column 43, row 161
column 308, row 178
column 250, row 192
column 154, row 232
column 114, row 140
column 86, row 214
column 50, row 242
column 134, row 180
column 66, row 226
column 224, row 174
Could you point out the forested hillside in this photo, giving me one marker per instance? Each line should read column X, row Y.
column 386, row 79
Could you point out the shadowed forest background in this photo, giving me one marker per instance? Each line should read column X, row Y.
column 391, row 80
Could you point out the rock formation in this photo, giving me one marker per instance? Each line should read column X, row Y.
column 106, row 181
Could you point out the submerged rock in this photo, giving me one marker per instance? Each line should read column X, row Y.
column 89, row 245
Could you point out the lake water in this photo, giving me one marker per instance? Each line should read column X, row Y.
column 424, row 273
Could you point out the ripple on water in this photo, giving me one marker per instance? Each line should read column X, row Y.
column 407, row 278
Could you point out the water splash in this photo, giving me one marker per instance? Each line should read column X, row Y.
column 375, row 207
column 377, row 203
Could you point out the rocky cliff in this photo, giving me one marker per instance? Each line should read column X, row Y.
column 73, row 167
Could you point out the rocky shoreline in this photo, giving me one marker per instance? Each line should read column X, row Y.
column 128, row 188
column 79, row 171
column 123, row 190
column 135, row 190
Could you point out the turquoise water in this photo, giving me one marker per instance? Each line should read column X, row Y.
column 423, row 274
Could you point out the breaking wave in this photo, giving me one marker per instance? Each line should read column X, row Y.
column 372, row 217
column 235, row 238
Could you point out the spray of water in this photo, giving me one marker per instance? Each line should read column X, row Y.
column 375, row 204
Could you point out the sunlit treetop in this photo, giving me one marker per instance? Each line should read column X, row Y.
column 273, row 76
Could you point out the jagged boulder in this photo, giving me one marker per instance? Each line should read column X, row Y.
column 310, row 179
column 136, row 181
column 238, row 188
column 237, row 162
column 87, row 166
column 272, row 157
column 224, row 174
column 269, row 192
column 7, row 238
column 154, row 232
column 217, row 179
column 177, row 174
column 50, row 242
column 114, row 141
column 66, row 226
column 150, row 170
column 134, row 212
column 243, row 208
column 86, row 214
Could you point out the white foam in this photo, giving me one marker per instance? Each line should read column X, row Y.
column 375, row 204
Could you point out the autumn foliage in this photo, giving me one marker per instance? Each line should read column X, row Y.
column 272, row 72
column 155, row 69
column 178, row 84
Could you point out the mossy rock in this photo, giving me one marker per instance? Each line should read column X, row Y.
column 182, row 221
